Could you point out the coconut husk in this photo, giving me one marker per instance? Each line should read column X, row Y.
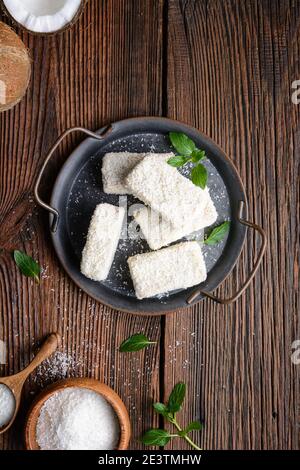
column 15, row 68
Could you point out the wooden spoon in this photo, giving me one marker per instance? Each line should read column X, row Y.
column 15, row 382
column 111, row 397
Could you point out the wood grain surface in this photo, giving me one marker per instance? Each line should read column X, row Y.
column 226, row 67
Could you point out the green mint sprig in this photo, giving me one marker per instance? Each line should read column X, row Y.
column 188, row 152
column 135, row 343
column 27, row 265
column 217, row 234
column 161, row 437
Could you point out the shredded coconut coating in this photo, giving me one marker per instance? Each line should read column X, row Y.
column 77, row 419
column 176, row 267
column 117, row 165
column 159, row 232
column 165, row 190
column 102, row 241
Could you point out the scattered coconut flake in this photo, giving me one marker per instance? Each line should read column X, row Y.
column 57, row 367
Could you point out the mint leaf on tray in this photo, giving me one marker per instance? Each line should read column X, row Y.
column 217, row 234
column 188, row 152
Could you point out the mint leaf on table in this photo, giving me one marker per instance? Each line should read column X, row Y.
column 188, row 152
column 156, row 437
column 160, row 437
column 27, row 265
column 217, row 234
column 177, row 397
column 199, row 176
column 193, row 426
column 135, row 343
column 177, row 161
column 182, row 143
column 161, row 409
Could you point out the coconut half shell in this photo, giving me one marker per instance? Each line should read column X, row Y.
column 27, row 21
column 15, row 68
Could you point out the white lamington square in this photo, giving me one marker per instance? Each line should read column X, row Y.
column 176, row 267
column 165, row 190
column 117, row 165
column 159, row 232
column 102, row 241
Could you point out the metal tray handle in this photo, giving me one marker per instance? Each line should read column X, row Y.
column 262, row 250
column 50, row 209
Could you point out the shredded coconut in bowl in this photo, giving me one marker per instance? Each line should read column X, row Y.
column 77, row 418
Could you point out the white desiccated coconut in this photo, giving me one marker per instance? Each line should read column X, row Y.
column 117, row 165
column 77, row 418
column 165, row 190
column 159, row 232
column 176, row 267
column 7, row 405
column 102, row 241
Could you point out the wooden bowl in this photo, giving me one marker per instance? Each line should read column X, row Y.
column 113, row 399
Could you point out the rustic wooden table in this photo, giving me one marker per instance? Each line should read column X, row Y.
column 226, row 67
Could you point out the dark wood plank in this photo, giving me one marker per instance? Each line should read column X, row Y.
column 107, row 67
column 227, row 70
column 230, row 69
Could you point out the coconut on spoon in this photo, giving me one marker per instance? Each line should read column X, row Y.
column 11, row 387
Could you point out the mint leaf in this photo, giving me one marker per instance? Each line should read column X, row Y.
column 182, row 143
column 188, row 152
column 160, row 408
column 27, row 265
column 156, row 437
column 176, row 398
column 135, row 343
column 194, row 426
column 198, row 155
column 217, row 234
column 177, row 161
column 160, row 437
column 199, row 176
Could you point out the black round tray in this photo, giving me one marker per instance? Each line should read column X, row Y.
column 78, row 189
